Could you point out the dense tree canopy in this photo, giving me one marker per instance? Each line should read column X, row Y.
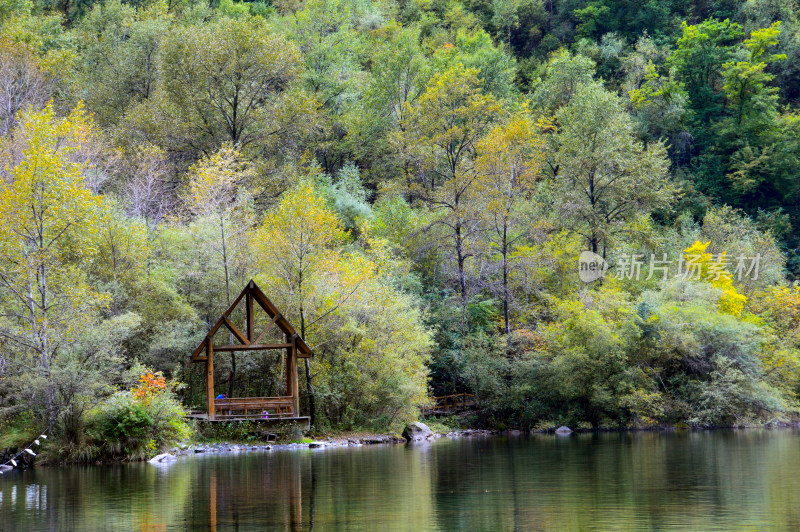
column 413, row 183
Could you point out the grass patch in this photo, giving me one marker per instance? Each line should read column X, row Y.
column 441, row 425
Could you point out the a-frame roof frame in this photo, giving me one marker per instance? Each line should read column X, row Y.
column 303, row 350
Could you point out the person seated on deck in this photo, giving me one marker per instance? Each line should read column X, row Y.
column 220, row 396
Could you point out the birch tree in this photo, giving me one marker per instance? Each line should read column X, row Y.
column 47, row 223
column 507, row 166
column 297, row 249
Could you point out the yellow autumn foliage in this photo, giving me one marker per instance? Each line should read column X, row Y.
column 702, row 266
column 214, row 179
column 49, row 221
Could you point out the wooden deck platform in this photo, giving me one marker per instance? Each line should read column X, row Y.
column 303, row 422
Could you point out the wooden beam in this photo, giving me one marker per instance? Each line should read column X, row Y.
column 282, row 322
column 199, row 349
column 270, row 309
column 235, row 330
column 291, row 374
column 248, row 317
column 289, row 370
column 250, row 347
column 210, row 379
column 294, row 344
column 227, row 313
column 216, row 327
column 275, row 318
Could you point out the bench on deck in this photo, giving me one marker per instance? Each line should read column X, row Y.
column 253, row 407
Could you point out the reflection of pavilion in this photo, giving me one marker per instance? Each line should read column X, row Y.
column 255, row 303
column 271, row 498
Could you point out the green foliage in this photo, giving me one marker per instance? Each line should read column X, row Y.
column 701, row 51
column 476, row 50
column 659, row 104
column 135, row 424
column 742, row 138
column 234, row 94
column 670, row 356
column 120, row 45
column 371, row 366
column 565, row 74
column 349, row 198
column 18, row 431
column 228, row 431
column 604, row 178
column 47, row 241
column 412, row 184
column 122, row 422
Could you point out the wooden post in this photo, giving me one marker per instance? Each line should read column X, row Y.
column 248, row 315
column 295, row 380
column 212, row 502
column 295, row 482
column 288, row 368
column 210, row 378
column 292, row 384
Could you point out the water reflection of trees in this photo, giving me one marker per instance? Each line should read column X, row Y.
column 627, row 480
column 126, row 497
column 611, row 481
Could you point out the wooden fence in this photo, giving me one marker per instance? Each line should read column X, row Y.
column 451, row 404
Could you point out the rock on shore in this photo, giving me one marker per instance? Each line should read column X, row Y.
column 417, row 431
column 162, row 459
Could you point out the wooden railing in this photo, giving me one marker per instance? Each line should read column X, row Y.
column 253, row 407
column 449, row 404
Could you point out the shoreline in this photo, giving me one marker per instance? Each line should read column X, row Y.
column 333, row 441
column 338, row 441
column 341, row 440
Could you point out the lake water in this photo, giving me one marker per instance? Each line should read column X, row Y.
column 722, row 480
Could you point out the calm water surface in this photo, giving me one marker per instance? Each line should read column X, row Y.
column 731, row 480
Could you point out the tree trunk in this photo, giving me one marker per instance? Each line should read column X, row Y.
column 461, row 259
column 228, row 299
column 505, row 281
column 44, row 344
column 309, row 386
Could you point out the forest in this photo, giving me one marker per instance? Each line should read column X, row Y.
column 412, row 182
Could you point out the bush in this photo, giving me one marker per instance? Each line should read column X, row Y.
column 228, row 431
column 135, row 424
column 120, row 427
column 671, row 355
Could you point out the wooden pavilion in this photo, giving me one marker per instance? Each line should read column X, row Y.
column 253, row 299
